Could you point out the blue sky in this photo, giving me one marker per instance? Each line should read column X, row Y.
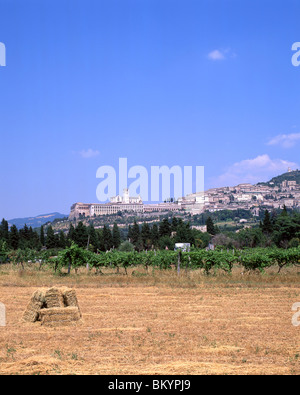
column 160, row 82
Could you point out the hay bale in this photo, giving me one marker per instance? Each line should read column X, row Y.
column 70, row 298
column 54, row 298
column 60, row 316
column 36, row 303
column 53, row 307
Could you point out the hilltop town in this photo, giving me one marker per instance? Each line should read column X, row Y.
column 275, row 194
column 245, row 196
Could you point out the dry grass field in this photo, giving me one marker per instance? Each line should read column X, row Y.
column 156, row 323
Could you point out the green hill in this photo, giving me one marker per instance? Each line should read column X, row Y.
column 291, row 176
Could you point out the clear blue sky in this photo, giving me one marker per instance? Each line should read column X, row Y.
column 160, row 82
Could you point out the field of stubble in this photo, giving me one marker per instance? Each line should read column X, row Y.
column 155, row 324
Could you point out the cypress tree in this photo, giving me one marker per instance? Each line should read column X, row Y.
column 135, row 234
column 174, row 224
column 129, row 233
column 24, row 233
column 182, row 234
column 146, row 235
column 70, row 235
column 100, row 244
column 34, row 240
column 210, row 226
column 267, row 224
column 42, row 236
column 107, row 238
column 165, row 228
column 14, row 237
column 62, row 240
column 155, row 235
column 4, row 233
column 51, row 240
column 284, row 212
column 116, row 237
column 93, row 237
column 80, row 235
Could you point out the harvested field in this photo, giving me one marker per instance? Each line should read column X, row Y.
column 155, row 324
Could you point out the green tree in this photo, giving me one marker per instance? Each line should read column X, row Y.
column 267, row 226
column 70, row 236
column 116, row 236
column 24, row 236
column 80, row 235
column 165, row 228
column 286, row 228
column 4, row 233
column 210, row 226
column 155, row 235
column 100, row 243
column 62, row 240
column 174, row 224
column 284, row 212
column 34, row 240
column 129, row 236
column 135, row 235
column 107, row 238
column 126, row 246
column 42, row 236
column 3, row 251
column 184, row 233
column 201, row 239
column 146, row 235
column 93, row 238
column 51, row 241
column 14, row 237
column 166, row 242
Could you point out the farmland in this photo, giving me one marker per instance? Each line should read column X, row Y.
column 156, row 322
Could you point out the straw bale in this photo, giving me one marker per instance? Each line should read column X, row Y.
column 54, row 306
column 60, row 316
column 70, row 298
column 36, row 303
column 54, row 298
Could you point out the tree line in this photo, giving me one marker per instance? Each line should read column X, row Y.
column 138, row 237
column 278, row 229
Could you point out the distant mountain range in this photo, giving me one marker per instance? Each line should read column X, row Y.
column 36, row 222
